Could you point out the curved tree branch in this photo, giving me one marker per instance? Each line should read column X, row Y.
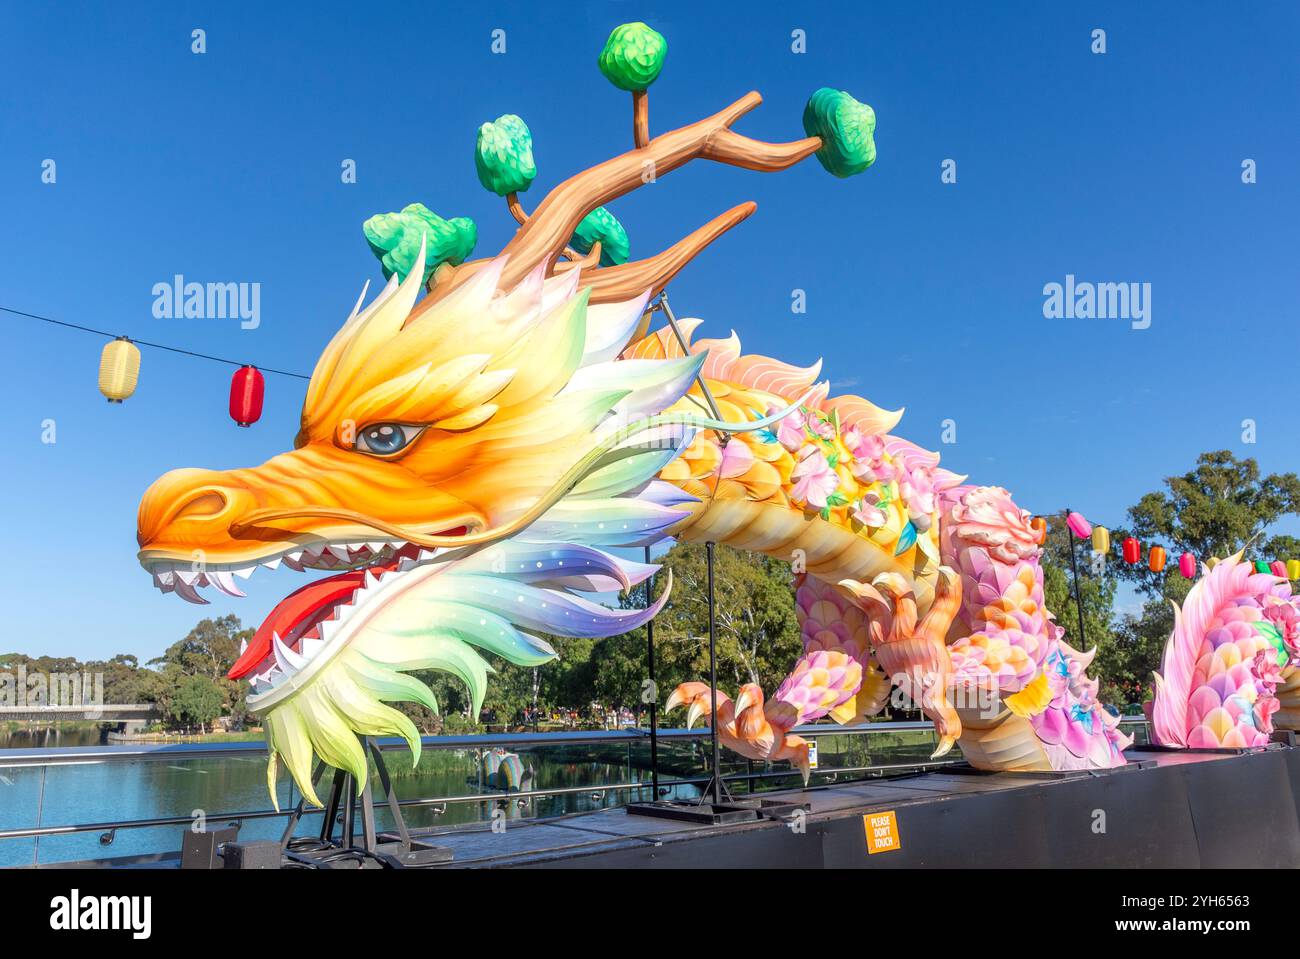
column 546, row 232
column 623, row 282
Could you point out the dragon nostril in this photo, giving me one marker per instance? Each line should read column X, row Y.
column 206, row 504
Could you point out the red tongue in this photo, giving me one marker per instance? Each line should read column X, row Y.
column 295, row 608
column 293, row 614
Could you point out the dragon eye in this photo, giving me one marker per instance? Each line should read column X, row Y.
column 385, row 439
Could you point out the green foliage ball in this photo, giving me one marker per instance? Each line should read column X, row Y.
column 395, row 239
column 503, row 155
column 633, row 56
column 846, row 128
column 601, row 225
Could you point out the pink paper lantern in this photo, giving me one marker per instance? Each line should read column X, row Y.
column 1278, row 568
column 1079, row 526
column 1187, row 565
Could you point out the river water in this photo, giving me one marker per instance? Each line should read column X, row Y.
column 209, row 790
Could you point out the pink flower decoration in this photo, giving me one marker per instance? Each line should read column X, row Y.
column 1284, row 615
column 869, row 512
column 822, row 427
column 864, row 446
column 987, row 516
column 789, row 431
column 814, row 480
column 917, row 487
column 737, row 458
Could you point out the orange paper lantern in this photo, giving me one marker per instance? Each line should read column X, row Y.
column 1156, row 559
column 1039, row 526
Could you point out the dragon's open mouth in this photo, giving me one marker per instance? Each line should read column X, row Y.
column 293, row 631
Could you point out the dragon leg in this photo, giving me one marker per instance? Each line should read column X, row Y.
column 912, row 651
column 834, row 677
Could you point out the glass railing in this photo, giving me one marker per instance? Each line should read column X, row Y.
column 135, row 802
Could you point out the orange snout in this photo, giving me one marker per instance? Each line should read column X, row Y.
column 191, row 508
column 195, row 509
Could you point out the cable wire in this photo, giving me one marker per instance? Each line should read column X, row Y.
column 156, row 346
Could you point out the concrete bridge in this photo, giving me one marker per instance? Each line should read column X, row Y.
column 129, row 717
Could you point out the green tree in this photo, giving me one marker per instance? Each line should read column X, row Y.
column 1215, row 509
column 1220, row 506
column 208, row 651
column 196, row 701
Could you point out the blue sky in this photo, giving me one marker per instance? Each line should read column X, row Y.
column 1122, row 167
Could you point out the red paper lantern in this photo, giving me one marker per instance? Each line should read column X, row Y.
column 1187, row 565
column 1156, row 559
column 1132, row 550
column 247, row 387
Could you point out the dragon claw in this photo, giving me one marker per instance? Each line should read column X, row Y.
column 945, row 746
column 694, row 713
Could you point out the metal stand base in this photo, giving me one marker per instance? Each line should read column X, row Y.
column 719, row 813
column 375, row 850
column 709, row 814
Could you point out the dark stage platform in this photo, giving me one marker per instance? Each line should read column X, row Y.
column 1165, row 809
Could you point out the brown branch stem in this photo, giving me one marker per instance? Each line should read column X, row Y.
column 640, row 118
column 515, row 208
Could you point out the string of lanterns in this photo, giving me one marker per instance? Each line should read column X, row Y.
column 119, row 370
column 1157, row 557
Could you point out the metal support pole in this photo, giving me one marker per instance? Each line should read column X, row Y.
column 332, row 807
column 654, row 688
column 1078, row 598
column 716, row 787
column 296, row 816
column 681, row 341
column 390, row 794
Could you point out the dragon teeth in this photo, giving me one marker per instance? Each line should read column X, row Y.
column 286, row 658
column 224, row 581
column 188, row 593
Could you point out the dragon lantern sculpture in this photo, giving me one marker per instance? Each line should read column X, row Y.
column 466, row 461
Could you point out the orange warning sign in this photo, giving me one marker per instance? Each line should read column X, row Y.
column 882, row 832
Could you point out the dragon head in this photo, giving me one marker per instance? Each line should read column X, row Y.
column 462, row 462
column 457, row 472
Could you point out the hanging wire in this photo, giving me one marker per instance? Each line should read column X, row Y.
column 156, row 346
